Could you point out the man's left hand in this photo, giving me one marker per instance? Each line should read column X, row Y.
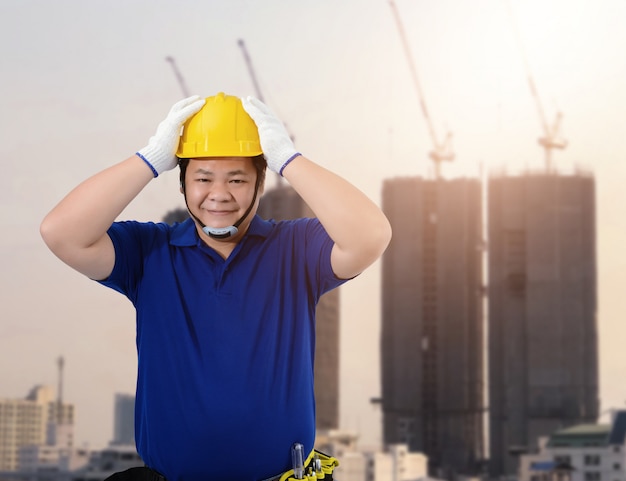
column 276, row 144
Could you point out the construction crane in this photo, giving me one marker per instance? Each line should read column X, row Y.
column 551, row 132
column 179, row 77
column 246, row 57
column 257, row 89
column 259, row 94
column 442, row 150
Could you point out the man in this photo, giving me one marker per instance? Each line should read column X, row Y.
column 225, row 301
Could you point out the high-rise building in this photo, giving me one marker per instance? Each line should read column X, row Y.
column 124, row 420
column 432, row 321
column 580, row 453
column 283, row 203
column 543, row 358
column 27, row 422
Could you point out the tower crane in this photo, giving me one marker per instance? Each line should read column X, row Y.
column 442, row 149
column 551, row 132
column 246, row 56
column 257, row 89
column 179, row 77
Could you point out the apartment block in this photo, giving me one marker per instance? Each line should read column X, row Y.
column 31, row 422
column 543, row 355
column 585, row 452
column 432, row 322
column 124, row 420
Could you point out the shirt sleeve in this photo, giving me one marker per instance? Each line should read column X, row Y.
column 319, row 245
column 131, row 242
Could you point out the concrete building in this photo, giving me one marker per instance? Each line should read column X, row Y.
column 53, row 463
column 282, row 203
column 37, row 420
column 586, row 452
column 124, row 420
column 432, row 322
column 103, row 464
column 52, row 457
column 543, row 359
column 396, row 464
column 45, row 461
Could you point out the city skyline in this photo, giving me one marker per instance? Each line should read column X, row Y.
column 81, row 96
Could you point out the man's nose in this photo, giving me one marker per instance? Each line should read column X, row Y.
column 220, row 191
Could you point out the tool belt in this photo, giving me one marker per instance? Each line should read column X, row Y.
column 317, row 467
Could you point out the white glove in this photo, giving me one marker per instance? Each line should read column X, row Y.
column 278, row 149
column 160, row 153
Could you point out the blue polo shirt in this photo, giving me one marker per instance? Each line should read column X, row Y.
column 225, row 346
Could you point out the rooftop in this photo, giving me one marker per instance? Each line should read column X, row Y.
column 584, row 435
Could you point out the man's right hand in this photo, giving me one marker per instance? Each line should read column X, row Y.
column 160, row 153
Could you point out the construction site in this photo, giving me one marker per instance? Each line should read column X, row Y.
column 488, row 345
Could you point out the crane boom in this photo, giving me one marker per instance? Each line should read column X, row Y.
column 246, row 57
column 179, row 77
column 551, row 139
column 257, row 89
column 441, row 150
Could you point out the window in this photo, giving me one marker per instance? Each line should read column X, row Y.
column 515, row 258
column 592, row 459
column 592, row 476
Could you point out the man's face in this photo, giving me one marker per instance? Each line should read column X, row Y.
column 220, row 190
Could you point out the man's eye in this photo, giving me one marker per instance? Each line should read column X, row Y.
column 237, row 181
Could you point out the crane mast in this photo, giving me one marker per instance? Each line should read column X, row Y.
column 442, row 150
column 551, row 132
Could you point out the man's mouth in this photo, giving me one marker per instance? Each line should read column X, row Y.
column 220, row 212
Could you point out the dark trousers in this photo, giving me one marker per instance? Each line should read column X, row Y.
column 139, row 473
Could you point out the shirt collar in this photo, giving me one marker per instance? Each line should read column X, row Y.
column 185, row 233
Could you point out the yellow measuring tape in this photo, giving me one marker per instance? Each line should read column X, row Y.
column 318, row 466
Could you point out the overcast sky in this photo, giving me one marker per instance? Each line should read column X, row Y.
column 85, row 83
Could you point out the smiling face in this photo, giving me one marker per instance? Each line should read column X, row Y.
column 220, row 190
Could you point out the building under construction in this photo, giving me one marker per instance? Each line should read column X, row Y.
column 543, row 359
column 432, row 321
column 282, row 203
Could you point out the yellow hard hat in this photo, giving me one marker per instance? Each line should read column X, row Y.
column 222, row 128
